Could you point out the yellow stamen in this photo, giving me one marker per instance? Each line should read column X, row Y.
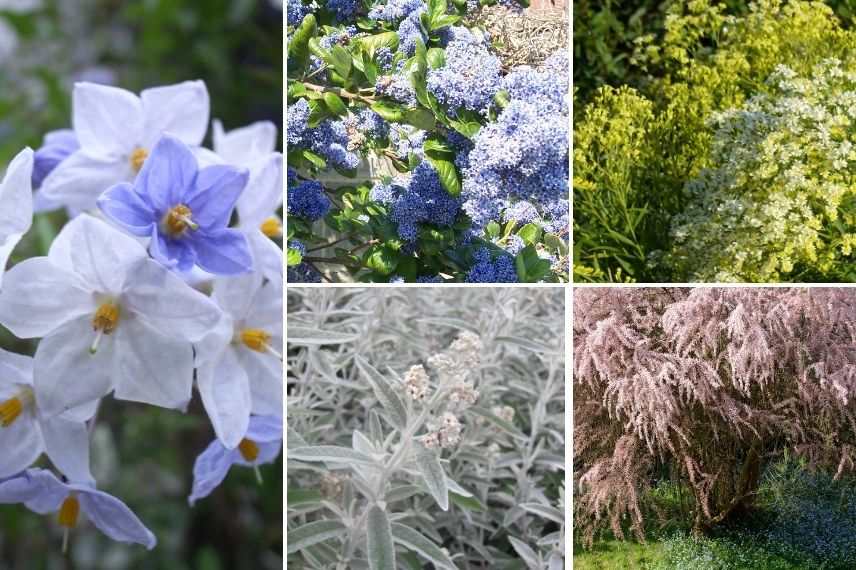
column 258, row 340
column 249, row 450
column 138, row 157
column 12, row 408
column 272, row 227
column 105, row 321
column 69, row 511
column 178, row 219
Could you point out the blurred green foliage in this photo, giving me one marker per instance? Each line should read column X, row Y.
column 144, row 455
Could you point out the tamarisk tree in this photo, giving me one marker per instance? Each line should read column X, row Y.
column 705, row 387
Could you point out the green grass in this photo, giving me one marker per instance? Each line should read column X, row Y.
column 615, row 554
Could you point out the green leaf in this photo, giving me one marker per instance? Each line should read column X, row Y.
column 317, row 113
column 303, row 497
column 434, row 476
column 556, row 243
column 530, row 268
column 294, row 257
column 443, row 21
column 296, row 89
column 420, row 118
column 316, row 160
column 335, row 103
column 340, row 59
column 388, row 111
column 329, row 453
column 313, row 533
column 436, row 58
column 381, row 551
column 371, row 43
column 448, row 175
column 492, row 230
column 298, row 47
column 467, row 128
column 530, row 233
column 382, row 259
column 502, row 98
column 436, row 147
column 467, row 503
column 413, row 540
column 384, row 392
column 436, row 8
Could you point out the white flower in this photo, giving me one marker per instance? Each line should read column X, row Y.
column 253, row 147
column 24, row 435
column 117, row 130
column 240, row 366
column 110, row 318
column 16, row 204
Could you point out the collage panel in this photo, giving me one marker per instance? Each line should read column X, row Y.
column 428, row 141
column 426, row 429
column 714, row 428
column 141, row 285
column 713, row 141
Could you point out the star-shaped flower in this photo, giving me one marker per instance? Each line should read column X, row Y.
column 110, row 318
column 240, row 366
column 43, row 493
column 16, row 204
column 261, row 444
column 185, row 210
column 117, row 131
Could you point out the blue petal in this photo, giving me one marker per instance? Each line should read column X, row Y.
column 210, row 469
column 38, row 489
column 217, row 190
column 222, row 252
column 171, row 253
column 124, row 206
column 265, row 428
column 167, row 174
column 113, row 517
column 57, row 146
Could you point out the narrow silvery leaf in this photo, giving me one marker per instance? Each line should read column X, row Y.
column 362, row 444
column 313, row 533
column 499, row 422
column 434, row 476
column 544, row 511
column 401, row 492
column 457, row 489
column 529, row 344
column 381, row 549
column 526, row 553
column 375, row 429
column 310, row 336
column 385, row 393
column 412, row 540
column 331, row 453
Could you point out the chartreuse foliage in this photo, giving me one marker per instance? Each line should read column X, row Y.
column 468, row 164
column 734, row 161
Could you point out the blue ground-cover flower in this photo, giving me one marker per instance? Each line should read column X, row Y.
column 43, row 493
column 185, row 210
column 261, row 445
column 307, row 200
column 488, row 269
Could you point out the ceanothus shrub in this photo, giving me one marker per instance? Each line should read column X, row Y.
column 705, row 388
column 470, row 160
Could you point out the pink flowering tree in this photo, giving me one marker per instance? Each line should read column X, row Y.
column 705, row 387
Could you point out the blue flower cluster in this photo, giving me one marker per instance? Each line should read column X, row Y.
column 297, row 10
column 297, row 117
column 409, row 31
column 406, row 141
column 308, row 200
column 303, row 273
column 471, row 75
column 394, row 10
column 417, row 198
column 368, row 124
column 396, row 86
column 524, row 154
column 488, row 269
column 522, row 212
column 343, row 10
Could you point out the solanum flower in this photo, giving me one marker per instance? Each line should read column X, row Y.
column 184, row 210
column 43, row 493
column 261, row 444
column 56, row 147
column 110, row 318
column 16, row 204
column 117, row 130
column 240, row 368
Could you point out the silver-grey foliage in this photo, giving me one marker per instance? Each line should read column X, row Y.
column 425, row 428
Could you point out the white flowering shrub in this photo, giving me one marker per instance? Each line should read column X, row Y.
column 163, row 286
column 425, row 429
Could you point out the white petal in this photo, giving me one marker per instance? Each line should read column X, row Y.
column 21, row 443
column 266, row 310
column 245, row 145
column 80, row 179
column 169, row 305
column 66, row 374
column 99, row 254
column 108, row 121
column 213, row 344
column 67, row 446
column 16, row 196
column 267, row 255
column 181, row 110
column 265, row 374
column 225, row 392
column 152, row 369
column 235, row 294
column 37, row 298
column 15, row 370
column 263, row 195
